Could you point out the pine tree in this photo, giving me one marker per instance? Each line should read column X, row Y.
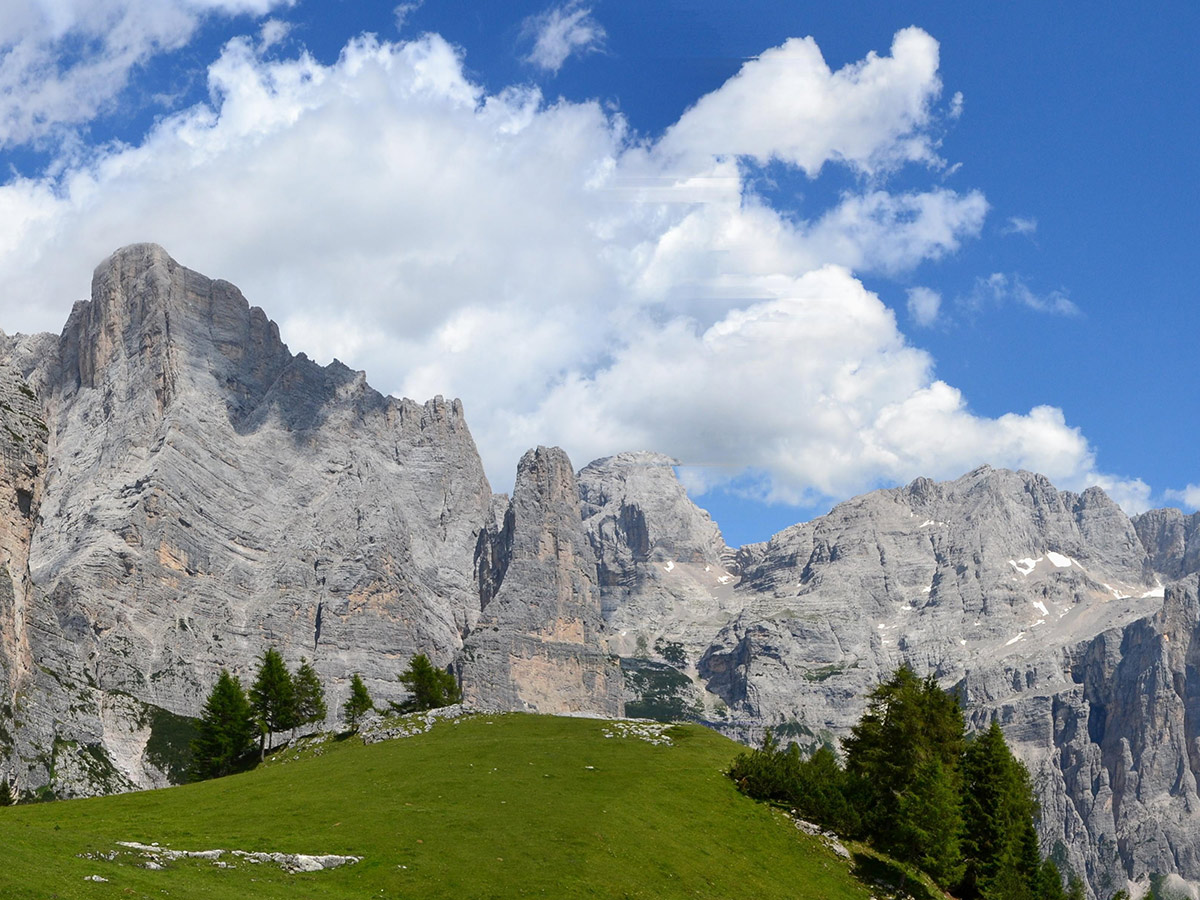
column 902, row 763
column 930, row 821
column 359, row 703
column 309, row 695
column 430, row 687
column 226, row 729
column 999, row 840
column 6, row 792
column 1050, row 883
column 273, row 696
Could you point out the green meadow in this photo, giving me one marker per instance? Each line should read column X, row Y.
column 482, row 806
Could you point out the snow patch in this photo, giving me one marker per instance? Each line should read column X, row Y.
column 1159, row 591
column 725, row 579
column 1041, row 607
column 1026, row 565
column 1012, row 641
column 927, row 590
column 670, row 566
column 1062, row 562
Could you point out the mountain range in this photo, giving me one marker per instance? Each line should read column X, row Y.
column 179, row 491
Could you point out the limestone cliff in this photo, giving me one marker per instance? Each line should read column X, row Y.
column 537, row 643
column 207, row 494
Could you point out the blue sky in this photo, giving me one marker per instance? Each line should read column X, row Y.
column 926, row 239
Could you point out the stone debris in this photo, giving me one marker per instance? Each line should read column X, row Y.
column 650, row 732
column 828, row 838
column 377, row 730
column 156, row 856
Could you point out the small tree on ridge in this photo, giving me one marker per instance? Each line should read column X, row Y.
column 359, row 702
column 431, row 687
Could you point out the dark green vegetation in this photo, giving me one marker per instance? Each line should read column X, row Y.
column 226, row 730
column 358, row 704
column 278, row 701
column 273, row 695
column 431, row 687
column 662, row 691
column 485, row 806
column 961, row 810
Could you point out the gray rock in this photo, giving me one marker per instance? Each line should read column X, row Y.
column 1172, row 541
column 537, row 643
column 207, row 494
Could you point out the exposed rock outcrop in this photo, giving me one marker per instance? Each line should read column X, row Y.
column 178, row 491
column 208, row 495
column 537, row 643
column 1172, row 541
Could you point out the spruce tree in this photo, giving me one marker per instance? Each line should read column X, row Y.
column 6, row 792
column 309, row 695
column 999, row 841
column 226, row 729
column 902, row 764
column 273, row 696
column 431, row 687
column 359, row 702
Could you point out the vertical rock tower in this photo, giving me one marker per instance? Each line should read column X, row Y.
column 536, row 645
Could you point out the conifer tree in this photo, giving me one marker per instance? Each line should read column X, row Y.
column 6, row 792
column 273, row 696
column 431, row 687
column 999, row 841
column 309, row 695
column 226, row 729
column 902, row 761
column 359, row 702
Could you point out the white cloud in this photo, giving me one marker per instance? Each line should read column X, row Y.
column 1189, row 497
column 560, row 32
column 572, row 284
column 788, row 105
column 924, row 305
column 1020, row 225
column 273, row 32
column 102, row 39
column 404, row 10
column 999, row 289
column 892, row 233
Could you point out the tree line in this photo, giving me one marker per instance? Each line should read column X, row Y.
column 914, row 786
column 280, row 701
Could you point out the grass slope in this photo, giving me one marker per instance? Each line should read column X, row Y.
column 485, row 806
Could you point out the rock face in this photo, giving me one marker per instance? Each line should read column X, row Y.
column 206, row 495
column 1172, row 541
column 537, row 643
column 178, row 492
column 1043, row 609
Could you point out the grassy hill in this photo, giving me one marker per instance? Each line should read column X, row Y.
column 482, row 806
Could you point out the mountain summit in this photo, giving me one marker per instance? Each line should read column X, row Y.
column 179, row 492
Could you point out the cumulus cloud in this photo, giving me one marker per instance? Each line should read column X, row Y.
column 872, row 115
column 61, row 64
column 924, row 305
column 999, row 289
column 572, row 283
column 560, row 32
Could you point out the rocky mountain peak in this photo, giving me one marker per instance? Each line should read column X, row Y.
column 537, row 643
column 1171, row 539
